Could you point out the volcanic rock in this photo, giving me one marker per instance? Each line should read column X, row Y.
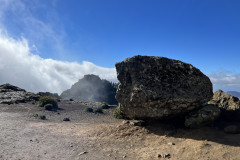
column 10, row 94
column 204, row 116
column 229, row 105
column 158, row 87
column 91, row 88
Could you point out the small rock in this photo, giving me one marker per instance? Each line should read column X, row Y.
column 66, row 119
column 137, row 122
column 83, row 153
column 125, row 122
column 171, row 143
column 164, row 155
column 124, row 156
column 232, row 129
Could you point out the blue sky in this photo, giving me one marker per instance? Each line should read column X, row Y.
column 205, row 33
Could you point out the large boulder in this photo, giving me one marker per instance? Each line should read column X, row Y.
column 229, row 105
column 91, row 88
column 158, row 87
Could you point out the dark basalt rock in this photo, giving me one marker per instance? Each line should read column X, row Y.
column 91, row 88
column 158, row 87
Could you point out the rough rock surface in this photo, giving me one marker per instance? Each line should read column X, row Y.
column 158, row 87
column 204, row 116
column 10, row 94
column 229, row 105
column 91, row 88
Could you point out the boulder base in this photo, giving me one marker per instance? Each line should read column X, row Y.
column 158, row 87
column 204, row 116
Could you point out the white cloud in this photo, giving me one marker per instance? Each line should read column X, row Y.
column 225, row 80
column 20, row 67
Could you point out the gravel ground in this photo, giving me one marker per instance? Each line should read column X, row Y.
column 99, row 136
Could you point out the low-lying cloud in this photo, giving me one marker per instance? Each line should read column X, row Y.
column 226, row 81
column 19, row 66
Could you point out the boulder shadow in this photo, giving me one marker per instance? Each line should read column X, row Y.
column 214, row 132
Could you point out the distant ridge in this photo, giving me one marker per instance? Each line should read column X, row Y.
column 234, row 93
column 92, row 88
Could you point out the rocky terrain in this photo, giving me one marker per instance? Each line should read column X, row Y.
column 92, row 136
column 91, row 88
column 10, row 94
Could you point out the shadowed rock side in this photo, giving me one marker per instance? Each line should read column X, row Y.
column 91, row 88
column 158, row 87
column 229, row 105
column 203, row 116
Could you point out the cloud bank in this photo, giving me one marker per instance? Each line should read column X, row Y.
column 19, row 66
column 226, row 81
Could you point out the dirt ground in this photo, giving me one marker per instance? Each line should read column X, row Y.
column 99, row 136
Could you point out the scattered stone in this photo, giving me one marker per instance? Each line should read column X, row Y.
column 83, row 153
column 229, row 105
column 137, row 122
column 231, row 129
column 158, row 87
column 207, row 114
column 126, row 122
column 66, row 119
column 171, row 143
column 164, row 156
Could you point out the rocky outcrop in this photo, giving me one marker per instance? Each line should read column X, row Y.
column 10, row 94
column 203, row 116
column 158, row 87
column 91, row 88
column 229, row 105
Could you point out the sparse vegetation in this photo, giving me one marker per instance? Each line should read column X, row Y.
column 118, row 114
column 46, row 101
column 48, row 107
column 88, row 109
column 43, row 117
column 104, row 106
column 97, row 110
column 35, row 115
column 40, row 116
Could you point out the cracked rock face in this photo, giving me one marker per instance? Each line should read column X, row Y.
column 158, row 87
